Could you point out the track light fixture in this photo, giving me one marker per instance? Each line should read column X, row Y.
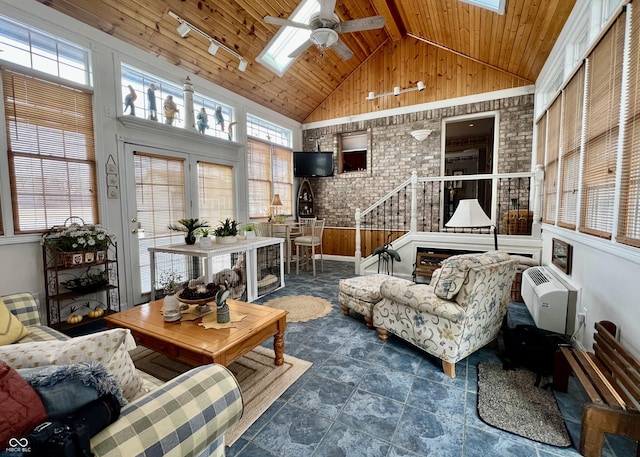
column 397, row 91
column 185, row 27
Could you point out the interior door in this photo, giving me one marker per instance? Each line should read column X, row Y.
column 162, row 187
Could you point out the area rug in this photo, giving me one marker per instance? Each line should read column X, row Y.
column 261, row 382
column 302, row 308
column 508, row 400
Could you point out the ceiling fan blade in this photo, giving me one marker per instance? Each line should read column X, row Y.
column 326, row 9
column 342, row 50
column 300, row 49
column 285, row 22
column 357, row 25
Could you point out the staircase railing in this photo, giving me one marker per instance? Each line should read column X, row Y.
column 419, row 205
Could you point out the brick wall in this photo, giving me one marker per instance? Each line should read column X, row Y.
column 395, row 153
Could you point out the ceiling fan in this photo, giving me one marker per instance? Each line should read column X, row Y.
column 325, row 28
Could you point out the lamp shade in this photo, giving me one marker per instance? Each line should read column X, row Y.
column 276, row 200
column 469, row 214
column 421, row 134
column 324, row 37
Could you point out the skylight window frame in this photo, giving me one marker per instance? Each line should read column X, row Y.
column 287, row 36
column 497, row 6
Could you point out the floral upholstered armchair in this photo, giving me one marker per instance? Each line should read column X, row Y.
column 459, row 312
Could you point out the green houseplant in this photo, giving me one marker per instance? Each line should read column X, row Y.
column 249, row 230
column 189, row 227
column 226, row 232
column 205, row 240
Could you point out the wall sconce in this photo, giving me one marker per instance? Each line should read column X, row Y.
column 397, row 91
column 185, row 27
column 421, row 134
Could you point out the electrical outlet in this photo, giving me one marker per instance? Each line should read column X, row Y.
column 582, row 316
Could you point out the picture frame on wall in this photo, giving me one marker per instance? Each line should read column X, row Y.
column 561, row 255
column 457, row 184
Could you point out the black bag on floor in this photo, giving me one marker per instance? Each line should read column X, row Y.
column 531, row 347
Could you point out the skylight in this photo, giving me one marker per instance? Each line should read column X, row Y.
column 497, row 6
column 275, row 55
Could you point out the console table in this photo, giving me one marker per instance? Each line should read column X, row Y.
column 249, row 247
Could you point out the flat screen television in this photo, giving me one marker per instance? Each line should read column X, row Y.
column 312, row 164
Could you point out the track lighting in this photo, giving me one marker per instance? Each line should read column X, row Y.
column 397, row 91
column 185, row 27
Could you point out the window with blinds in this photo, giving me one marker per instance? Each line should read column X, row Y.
column 551, row 161
column 629, row 217
column 215, row 193
column 270, row 172
column 570, row 159
column 51, row 152
column 604, row 76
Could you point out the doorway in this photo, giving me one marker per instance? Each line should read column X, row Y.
column 469, row 148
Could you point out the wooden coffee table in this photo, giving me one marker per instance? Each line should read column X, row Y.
column 193, row 344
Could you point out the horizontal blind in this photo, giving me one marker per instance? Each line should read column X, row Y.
column 571, row 139
column 283, row 177
column 51, row 152
column 629, row 217
column 215, row 193
column 541, row 128
column 160, row 195
column 603, row 116
column 551, row 164
column 259, row 174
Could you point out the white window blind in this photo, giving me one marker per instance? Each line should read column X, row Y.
column 551, row 161
column 570, row 161
column 603, row 116
column 51, row 152
column 215, row 193
column 629, row 217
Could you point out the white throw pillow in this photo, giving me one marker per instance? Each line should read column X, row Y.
column 109, row 347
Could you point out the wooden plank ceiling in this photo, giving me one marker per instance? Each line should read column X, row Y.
column 457, row 49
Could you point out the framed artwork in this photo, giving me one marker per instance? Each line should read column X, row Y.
column 561, row 254
column 457, row 184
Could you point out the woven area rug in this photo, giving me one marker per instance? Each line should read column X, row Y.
column 508, row 400
column 261, row 382
column 302, row 308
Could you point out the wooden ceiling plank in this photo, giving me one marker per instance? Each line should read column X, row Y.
column 393, row 23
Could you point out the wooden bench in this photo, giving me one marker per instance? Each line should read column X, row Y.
column 611, row 378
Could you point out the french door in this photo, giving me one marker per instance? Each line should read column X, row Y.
column 163, row 187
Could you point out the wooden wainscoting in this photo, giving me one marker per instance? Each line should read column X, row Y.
column 342, row 240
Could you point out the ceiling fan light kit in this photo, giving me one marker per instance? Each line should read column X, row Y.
column 396, row 91
column 324, row 38
column 184, row 27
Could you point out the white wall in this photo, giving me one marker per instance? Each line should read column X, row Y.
column 21, row 268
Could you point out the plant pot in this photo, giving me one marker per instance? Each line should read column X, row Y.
column 250, row 234
column 171, row 308
column 190, row 239
column 226, row 239
column 205, row 242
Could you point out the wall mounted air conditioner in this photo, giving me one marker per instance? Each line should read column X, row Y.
column 550, row 300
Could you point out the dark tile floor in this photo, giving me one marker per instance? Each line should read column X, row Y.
column 363, row 397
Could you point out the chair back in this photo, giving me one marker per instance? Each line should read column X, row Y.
column 306, row 225
column 263, row 229
column 316, row 231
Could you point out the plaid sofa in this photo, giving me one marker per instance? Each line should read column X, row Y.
column 457, row 313
column 186, row 416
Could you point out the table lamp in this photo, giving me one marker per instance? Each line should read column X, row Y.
column 275, row 202
column 469, row 214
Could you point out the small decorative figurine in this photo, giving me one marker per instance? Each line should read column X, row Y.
column 222, row 307
column 219, row 118
column 151, row 96
column 203, row 120
column 129, row 101
column 170, row 110
column 230, row 130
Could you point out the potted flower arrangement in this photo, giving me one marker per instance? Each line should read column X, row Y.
column 79, row 244
column 170, row 283
column 226, row 232
column 189, row 227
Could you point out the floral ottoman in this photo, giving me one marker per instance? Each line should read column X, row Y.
column 362, row 293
